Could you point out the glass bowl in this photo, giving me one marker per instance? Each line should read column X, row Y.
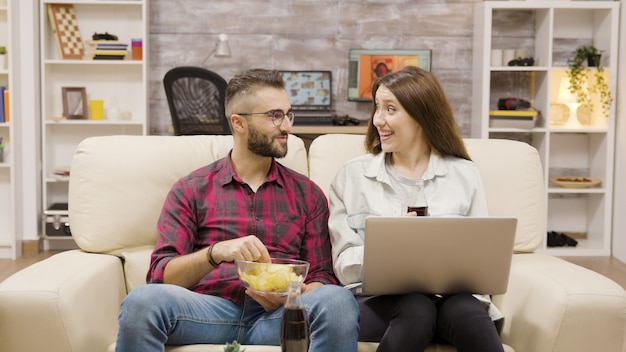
column 271, row 277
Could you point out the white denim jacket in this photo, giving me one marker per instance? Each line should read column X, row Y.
column 362, row 188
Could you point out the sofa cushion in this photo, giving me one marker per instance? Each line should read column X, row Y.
column 136, row 264
column 363, row 347
column 507, row 193
column 100, row 200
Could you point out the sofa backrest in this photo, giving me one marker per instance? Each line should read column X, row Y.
column 118, row 184
column 511, row 172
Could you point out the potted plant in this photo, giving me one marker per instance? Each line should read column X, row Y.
column 233, row 347
column 580, row 83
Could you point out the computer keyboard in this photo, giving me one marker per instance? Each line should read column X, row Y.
column 326, row 120
column 308, row 120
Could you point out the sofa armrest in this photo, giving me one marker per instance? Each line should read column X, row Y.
column 554, row 305
column 68, row 302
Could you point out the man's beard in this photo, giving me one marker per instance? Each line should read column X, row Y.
column 261, row 145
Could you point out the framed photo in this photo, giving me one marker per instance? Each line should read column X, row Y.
column 74, row 102
column 366, row 65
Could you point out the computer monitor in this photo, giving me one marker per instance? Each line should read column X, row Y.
column 366, row 65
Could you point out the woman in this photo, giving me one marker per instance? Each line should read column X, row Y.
column 412, row 138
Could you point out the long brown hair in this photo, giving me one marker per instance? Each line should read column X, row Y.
column 423, row 98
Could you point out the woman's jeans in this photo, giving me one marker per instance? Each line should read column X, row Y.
column 157, row 314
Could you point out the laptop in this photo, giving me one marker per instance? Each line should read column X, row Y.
column 310, row 95
column 437, row 255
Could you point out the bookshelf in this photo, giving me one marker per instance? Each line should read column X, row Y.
column 550, row 31
column 121, row 84
column 8, row 245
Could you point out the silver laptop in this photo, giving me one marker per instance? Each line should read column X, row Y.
column 437, row 255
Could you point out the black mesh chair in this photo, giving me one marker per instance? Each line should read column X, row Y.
column 196, row 100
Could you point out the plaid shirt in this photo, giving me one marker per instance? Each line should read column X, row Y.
column 288, row 213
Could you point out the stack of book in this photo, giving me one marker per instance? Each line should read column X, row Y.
column 106, row 50
column 524, row 119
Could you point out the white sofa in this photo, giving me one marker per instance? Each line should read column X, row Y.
column 70, row 301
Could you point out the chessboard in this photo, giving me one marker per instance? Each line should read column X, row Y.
column 65, row 28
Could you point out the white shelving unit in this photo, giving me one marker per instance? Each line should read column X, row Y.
column 550, row 31
column 119, row 83
column 8, row 247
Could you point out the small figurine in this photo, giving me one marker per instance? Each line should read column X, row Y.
column 103, row 36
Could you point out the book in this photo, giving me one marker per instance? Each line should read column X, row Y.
column 93, row 45
column 111, row 52
column 514, row 113
column 108, row 57
column 2, row 89
column 5, row 96
column 92, row 42
column 524, row 119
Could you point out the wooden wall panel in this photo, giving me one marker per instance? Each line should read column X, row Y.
column 310, row 34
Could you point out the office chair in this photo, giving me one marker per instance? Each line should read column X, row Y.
column 196, row 100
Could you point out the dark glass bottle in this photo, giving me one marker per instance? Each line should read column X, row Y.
column 294, row 332
column 418, row 203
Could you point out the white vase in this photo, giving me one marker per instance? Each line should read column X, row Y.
column 3, row 62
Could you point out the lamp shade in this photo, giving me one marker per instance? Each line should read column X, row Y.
column 565, row 95
column 222, row 49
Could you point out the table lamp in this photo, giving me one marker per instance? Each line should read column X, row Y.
column 566, row 97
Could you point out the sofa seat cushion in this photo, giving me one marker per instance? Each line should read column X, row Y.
column 363, row 347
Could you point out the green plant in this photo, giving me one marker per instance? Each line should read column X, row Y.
column 582, row 85
column 3, row 50
column 233, row 347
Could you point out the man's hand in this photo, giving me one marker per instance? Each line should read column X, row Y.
column 268, row 301
column 271, row 302
column 244, row 248
column 187, row 270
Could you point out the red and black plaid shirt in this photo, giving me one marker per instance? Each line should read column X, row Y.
column 288, row 213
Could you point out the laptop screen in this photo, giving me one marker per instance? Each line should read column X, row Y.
column 309, row 90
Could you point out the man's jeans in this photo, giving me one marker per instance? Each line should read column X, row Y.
column 157, row 314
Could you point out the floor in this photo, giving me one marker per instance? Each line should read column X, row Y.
column 607, row 266
column 9, row 266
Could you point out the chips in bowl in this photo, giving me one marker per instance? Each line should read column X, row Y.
column 271, row 277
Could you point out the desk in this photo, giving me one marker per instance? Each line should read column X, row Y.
column 309, row 133
column 330, row 129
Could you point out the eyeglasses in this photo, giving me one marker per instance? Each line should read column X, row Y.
column 277, row 116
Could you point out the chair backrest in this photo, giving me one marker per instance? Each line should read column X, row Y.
column 196, row 100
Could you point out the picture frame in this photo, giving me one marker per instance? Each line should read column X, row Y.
column 74, row 102
column 366, row 65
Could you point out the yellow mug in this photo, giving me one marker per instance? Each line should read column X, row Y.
column 97, row 109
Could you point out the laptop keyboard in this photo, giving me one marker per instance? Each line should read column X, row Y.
column 308, row 120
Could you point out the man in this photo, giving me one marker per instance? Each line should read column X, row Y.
column 244, row 206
